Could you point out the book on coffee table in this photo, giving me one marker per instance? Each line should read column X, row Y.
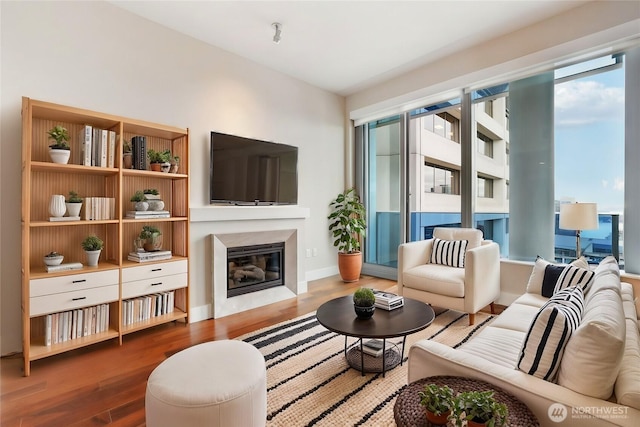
column 387, row 300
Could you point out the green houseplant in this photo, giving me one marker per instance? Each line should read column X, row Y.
column 348, row 225
column 364, row 302
column 478, row 408
column 59, row 150
column 151, row 237
column 92, row 246
column 139, row 201
column 74, row 204
column 159, row 160
column 437, row 401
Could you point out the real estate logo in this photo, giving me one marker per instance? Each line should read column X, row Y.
column 557, row 412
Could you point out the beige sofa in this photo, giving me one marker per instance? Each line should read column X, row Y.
column 598, row 383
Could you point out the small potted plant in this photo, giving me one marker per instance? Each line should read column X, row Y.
column 478, row 408
column 437, row 401
column 159, row 160
column 53, row 258
column 127, row 155
column 347, row 225
column 364, row 303
column 175, row 163
column 92, row 246
column 59, row 151
column 139, row 201
column 152, row 238
column 74, row 204
column 153, row 198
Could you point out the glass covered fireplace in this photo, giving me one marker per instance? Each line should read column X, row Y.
column 254, row 268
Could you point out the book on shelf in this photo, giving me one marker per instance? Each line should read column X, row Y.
column 139, row 149
column 86, row 135
column 148, row 214
column 111, row 150
column 64, row 218
column 373, row 347
column 63, row 267
column 149, row 256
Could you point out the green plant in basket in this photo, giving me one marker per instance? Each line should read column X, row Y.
column 436, row 399
column 480, row 407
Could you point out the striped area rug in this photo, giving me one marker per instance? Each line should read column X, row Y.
column 309, row 382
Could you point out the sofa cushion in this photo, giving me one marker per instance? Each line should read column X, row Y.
column 594, row 353
column 442, row 280
column 472, row 235
column 448, row 252
column 627, row 387
column 538, row 272
column 549, row 333
column 497, row 345
column 572, row 276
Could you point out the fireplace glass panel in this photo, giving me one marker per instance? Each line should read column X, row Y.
column 254, row 268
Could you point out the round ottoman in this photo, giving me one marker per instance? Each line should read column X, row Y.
column 219, row 383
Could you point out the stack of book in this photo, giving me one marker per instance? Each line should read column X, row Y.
column 388, row 300
column 139, row 149
column 145, row 256
column 148, row 214
column 372, row 347
column 63, row 267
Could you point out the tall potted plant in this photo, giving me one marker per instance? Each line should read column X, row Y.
column 348, row 225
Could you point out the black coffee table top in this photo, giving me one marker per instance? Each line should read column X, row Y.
column 339, row 316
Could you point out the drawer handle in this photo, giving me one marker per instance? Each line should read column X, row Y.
column 78, row 299
column 79, row 281
column 156, row 269
column 156, row 284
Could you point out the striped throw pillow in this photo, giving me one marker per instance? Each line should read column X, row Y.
column 549, row 333
column 448, row 252
column 572, row 276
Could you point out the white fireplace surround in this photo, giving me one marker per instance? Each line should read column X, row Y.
column 232, row 226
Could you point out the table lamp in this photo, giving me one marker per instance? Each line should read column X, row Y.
column 578, row 216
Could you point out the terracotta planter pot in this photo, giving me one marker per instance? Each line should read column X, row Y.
column 156, row 167
column 472, row 423
column 438, row 420
column 350, row 266
column 127, row 160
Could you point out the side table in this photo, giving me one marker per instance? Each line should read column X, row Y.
column 407, row 410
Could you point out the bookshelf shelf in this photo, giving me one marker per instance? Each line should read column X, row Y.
column 109, row 190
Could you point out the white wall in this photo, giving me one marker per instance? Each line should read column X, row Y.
column 93, row 55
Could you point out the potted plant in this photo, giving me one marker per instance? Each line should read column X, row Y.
column 151, row 236
column 437, row 401
column 478, row 408
column 127, row 155
column 74, row 204
column 53, row 258
column 159, row 160
column 153, row 198
column 139, row 201
column 348, row 226
column 59, row 151
column 364, row 302
column 92, row 246
column 175, row 163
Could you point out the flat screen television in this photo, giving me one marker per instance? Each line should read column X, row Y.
column 246, row 171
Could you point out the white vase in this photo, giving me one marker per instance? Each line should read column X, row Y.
column 57, row 205
column 59, row 156
column 93, row 257
column 74, row 208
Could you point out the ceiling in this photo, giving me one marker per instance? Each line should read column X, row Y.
column 346, row 46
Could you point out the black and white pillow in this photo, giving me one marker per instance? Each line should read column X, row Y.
column 549, row 333
column 448, row 252
column 572, row 276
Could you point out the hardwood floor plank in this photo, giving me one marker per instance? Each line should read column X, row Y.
column 104, row 384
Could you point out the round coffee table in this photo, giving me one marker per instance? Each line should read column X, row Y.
column 407, row 411
column 339, row 316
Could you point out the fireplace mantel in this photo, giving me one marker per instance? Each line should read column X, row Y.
column 247, row 213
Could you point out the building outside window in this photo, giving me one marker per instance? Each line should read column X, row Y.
column 485, row 187
column 485, row 145
column 441, row 180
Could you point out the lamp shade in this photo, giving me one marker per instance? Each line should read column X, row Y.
column 578, row 216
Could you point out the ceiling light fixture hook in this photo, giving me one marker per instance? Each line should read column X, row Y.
column 278, row 29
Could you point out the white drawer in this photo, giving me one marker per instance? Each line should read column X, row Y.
column 151, row 286
column 150, row 271
column 55, row 285
column 71, row 300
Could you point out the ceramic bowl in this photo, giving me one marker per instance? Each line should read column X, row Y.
column 57, row 260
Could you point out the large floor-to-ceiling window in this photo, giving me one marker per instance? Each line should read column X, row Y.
column 528, row 150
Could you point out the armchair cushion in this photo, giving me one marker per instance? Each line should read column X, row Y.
column 437, row 279
column 448, row 252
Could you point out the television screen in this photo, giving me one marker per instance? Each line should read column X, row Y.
column 247, row 171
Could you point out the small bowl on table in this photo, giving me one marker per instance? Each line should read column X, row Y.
column 53, row 260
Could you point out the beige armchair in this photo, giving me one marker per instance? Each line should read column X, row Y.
column 467, row 289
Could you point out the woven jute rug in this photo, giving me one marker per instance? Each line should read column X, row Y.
column 310, row 383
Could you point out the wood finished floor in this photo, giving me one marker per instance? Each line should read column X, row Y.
column 105, row 383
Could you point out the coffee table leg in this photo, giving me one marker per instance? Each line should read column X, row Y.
column 384, row 356
column 345, row 346
column 404, row 340
column 361, row 358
